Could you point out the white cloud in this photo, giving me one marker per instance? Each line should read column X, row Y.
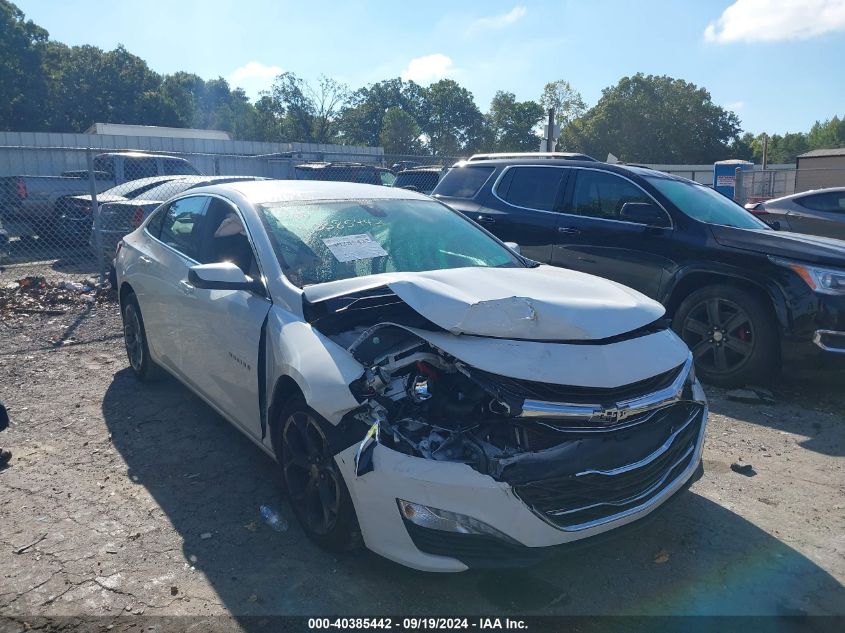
column 428, row 68
column 499, row 21
column 255, row 70
column 735, row 105
column 773, row 20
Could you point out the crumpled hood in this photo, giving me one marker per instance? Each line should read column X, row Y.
column 808, row 248
column 543, row 303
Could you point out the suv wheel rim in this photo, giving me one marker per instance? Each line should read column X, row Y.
column 310, row 474
column 720, row 334
column 132, row 337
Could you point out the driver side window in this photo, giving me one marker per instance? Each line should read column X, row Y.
column 223, row 239
column 180, row 224
column 602, row 195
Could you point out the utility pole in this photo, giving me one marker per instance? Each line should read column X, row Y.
column 765, row 151
column 550, row 135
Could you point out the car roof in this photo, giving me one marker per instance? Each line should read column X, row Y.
column 808, row 192
column 263, row 191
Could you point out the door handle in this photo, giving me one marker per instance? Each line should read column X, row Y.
column 568, row 230
column 187, row 288
column 486, row 219
column 146, row 261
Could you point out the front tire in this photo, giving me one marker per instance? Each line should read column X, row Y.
column 135, row 340
column 732, row 335
column 314, row 484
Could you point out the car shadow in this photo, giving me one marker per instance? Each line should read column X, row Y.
column 806, row 403
column 692, row 557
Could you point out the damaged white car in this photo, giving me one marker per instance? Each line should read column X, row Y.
column 422, row 386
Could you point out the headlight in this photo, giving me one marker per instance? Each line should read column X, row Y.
column 445, row 521
column 828, row 281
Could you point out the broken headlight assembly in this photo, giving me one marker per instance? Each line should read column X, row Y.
column 445, row 521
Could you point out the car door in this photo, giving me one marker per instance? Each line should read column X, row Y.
column 522, row 207
column 592, row 238
column 161, row 279
column 221, row 329
column 819, row 214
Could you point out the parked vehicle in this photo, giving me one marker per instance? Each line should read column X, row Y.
column 743, row 296
column 76, row 219
column 422, row 179
column 345, row 172
column 468, row 415
column 124, row 216
column 33, row 205
column 402, row 165
column 817, row 212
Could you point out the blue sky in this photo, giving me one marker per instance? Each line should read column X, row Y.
column 779, row 64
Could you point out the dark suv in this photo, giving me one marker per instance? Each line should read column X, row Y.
column 345, row 172
column 743, row 296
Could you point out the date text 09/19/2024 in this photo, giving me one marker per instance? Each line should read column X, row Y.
column 423, row 623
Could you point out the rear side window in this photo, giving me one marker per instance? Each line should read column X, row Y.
column 532, row 187
column 602, row 195
column 104, row 164
column 463, row 182
column 174, row 167
column 180, row 224
column 135, row 168
column 828, row 202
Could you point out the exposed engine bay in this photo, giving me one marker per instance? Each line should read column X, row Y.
column 424, row 402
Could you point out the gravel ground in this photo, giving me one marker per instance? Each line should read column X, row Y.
column 127, row 498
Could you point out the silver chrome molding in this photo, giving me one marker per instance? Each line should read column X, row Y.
column 819, row 336
column 606, row 416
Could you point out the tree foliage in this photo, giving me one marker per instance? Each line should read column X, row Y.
column 654, row 119
column 511, row 123
column 48, row 86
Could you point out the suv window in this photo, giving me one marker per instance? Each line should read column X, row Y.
column 531, row 187
column 828, row 202
column 135, row 168
column 601, row 194
column 104, row 164
column 463, row 182
column 180, row 224
column 175, row 167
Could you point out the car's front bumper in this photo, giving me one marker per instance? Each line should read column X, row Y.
column 458, row 488
column 818, row 331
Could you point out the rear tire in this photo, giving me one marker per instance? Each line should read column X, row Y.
column 312, row 480
column 135, row 340
column 732, row 334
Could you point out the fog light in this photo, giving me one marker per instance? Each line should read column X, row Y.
column 445, row 521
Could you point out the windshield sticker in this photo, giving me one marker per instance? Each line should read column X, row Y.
column 347, row 248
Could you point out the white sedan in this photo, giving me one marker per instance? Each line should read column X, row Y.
column 422, row 386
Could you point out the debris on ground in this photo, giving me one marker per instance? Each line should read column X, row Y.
column 36, row 295
column 661, row 557
column 751, row 395
column 205, row 535
column 174, row 590
column 743, row 469
column 272, row 518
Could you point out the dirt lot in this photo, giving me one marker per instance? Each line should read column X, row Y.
column 123, row 497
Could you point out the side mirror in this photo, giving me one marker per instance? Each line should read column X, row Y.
column 514, row 247
column 643, row 213
column 223, row 276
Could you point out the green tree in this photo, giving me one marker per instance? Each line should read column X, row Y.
column 450, row 120
column 309, row 113
column 561, row 97
column 511, row 123
column 23, row 86
column 361, row 122
column 654, row 119
column 400, row 133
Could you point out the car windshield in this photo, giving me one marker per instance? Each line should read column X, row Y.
column 318, row 242
column 704, row 204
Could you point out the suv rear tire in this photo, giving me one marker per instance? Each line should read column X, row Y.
column 732, row 334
